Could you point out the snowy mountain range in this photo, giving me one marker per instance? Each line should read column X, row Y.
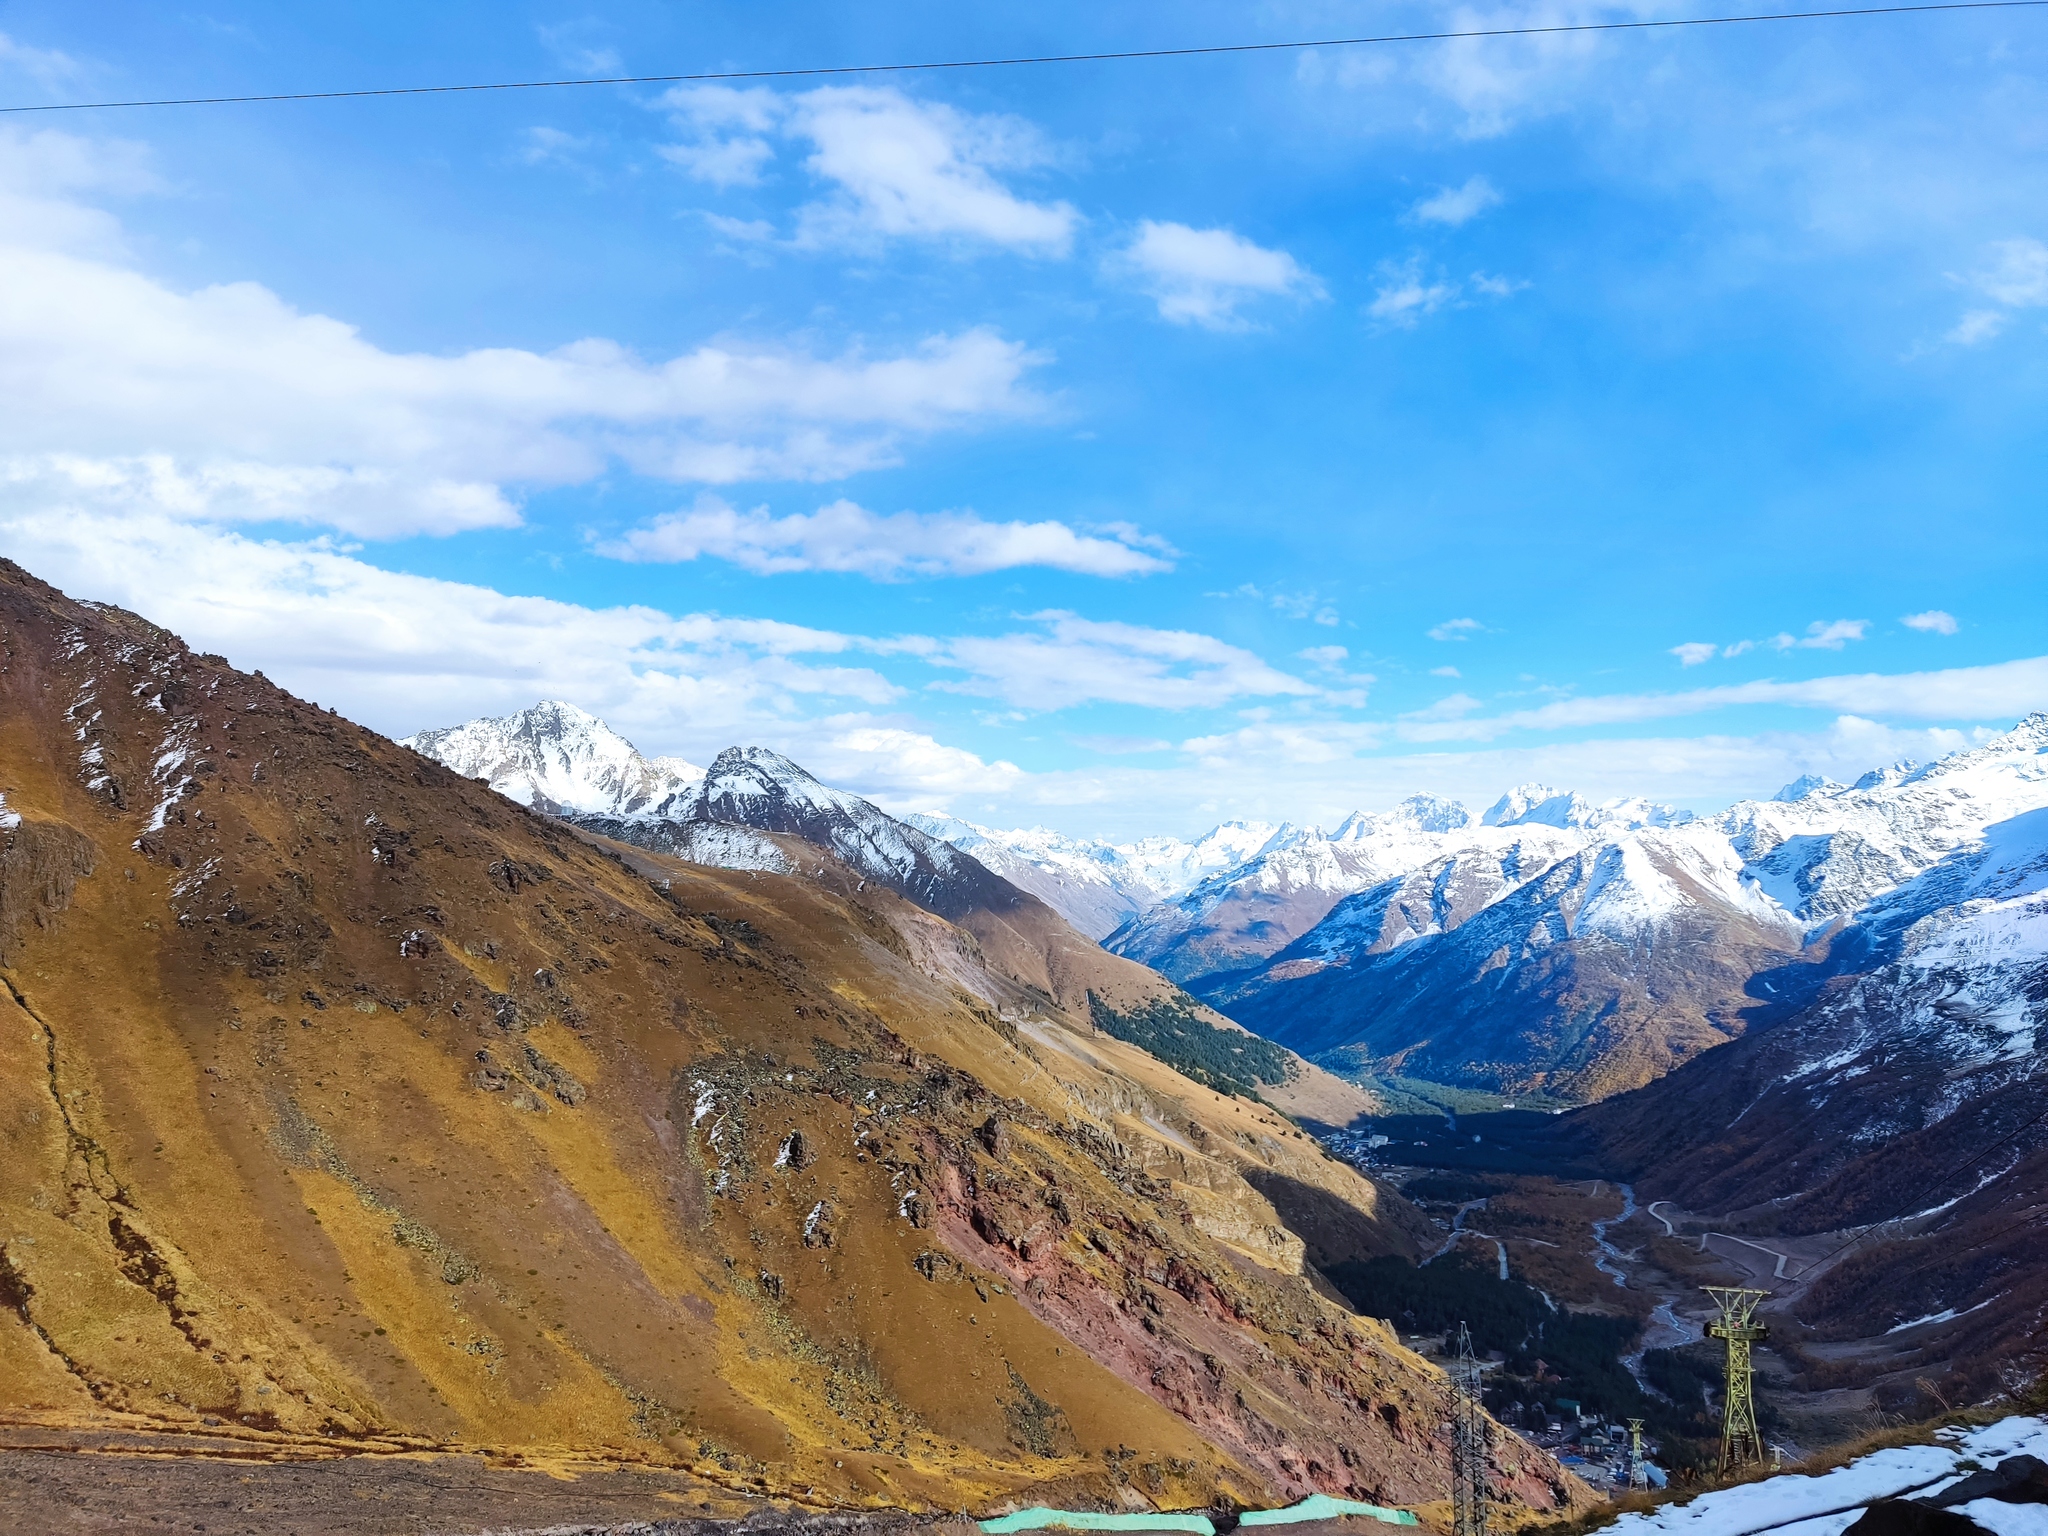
column 1548, row 944
column 1100, row 886
column 1591, row 957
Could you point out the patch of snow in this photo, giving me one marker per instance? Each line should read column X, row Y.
column 1946, row 1315
column 1829, row 1503
column 2003, row 1519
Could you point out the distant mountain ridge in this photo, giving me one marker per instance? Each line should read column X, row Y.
column 1585, row 959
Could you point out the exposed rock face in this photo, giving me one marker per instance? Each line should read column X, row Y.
column 343, row 1101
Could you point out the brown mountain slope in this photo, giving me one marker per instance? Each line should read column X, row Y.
column 345, row 1102
column 756, row 809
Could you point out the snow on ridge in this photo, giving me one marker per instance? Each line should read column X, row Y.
column 555, row 757
column 1830, row 1502
column 1816, row 854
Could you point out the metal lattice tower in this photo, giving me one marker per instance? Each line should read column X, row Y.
column 1741, row 1444
column 1638, row 1471
column 1468, row 1442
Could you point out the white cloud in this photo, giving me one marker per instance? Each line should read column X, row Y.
column 1830, row 635
column 1326, row 656
column 1497, row 287
column 735, row 162
column 1932, row 622
column 1454, row 707
column 2018, row 274
column 1456, row 629
column 1203, row 276
column 1445, row 672
column 1976, row 326
column 2017, row 277
column 227, row 402
column 845, row 537
column 899, row 168
column 401, row 652
column 542, row 145
column 1076, row 661
column 45, row 66
column 570, row 43
column 906, row 769
column 2003, row 691
column 1739, row 648
column 1489, row 84
column 1693, row 652
column 1457, row 205
column 1404, row 296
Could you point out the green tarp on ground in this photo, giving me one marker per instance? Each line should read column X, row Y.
column 1088, row 1520
column 1319, row 1506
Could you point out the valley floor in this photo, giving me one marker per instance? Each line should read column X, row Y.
column 1586, row 1245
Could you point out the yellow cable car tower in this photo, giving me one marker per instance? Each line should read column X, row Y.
column 1741, row 1443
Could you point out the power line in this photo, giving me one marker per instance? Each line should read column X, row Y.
column 713, row 76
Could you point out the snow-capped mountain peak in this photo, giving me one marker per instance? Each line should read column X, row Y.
column 556, row 758
column 1808, row 784
column 1538, row 805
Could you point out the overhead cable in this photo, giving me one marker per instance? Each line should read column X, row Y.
column 706, row 77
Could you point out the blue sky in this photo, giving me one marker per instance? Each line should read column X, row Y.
column 1119, row 446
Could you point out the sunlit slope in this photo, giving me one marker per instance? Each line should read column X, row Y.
column 344, row 1100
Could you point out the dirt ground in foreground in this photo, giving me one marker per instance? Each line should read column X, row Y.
column 82, row 1485
column 79, row 1484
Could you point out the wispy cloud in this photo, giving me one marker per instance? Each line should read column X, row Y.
column 1823, row 635
column 1932, row 622
column 1998, row 692
column 1457, row 205
column 897, row 168
column 542, row 145
column 576, row 45
column 1456, row 629
column 1205, row 276
column 1071, row 660
column 1405, row 296
column 1290, row 602
column 47, row 67
column 2018, row 274
column 1408, row 293
column 844, row 536
column 2015, row 277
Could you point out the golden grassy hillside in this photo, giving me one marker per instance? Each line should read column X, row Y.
column 344, row 1102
